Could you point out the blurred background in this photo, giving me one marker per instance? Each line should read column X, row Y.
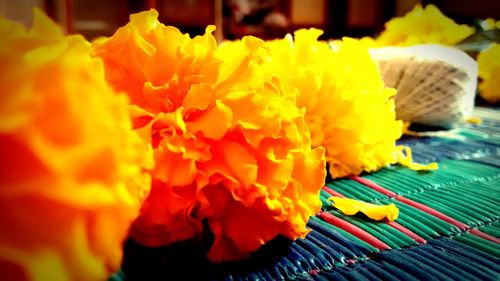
column 236, row 18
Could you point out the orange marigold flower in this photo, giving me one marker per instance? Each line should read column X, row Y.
column 488, row 62
column 230, row 145
column 348, row 109
column 71, row 171
column 422, row 26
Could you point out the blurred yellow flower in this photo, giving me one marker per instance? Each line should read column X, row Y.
column 422, row 26
column 488, row 62
column 490, row 24
column 230, row 145
column 349, row 111
column 71, row 171
column 377, row 212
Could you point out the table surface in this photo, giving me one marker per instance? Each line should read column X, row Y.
column 448, row 227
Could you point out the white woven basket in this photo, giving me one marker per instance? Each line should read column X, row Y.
column 436, row 84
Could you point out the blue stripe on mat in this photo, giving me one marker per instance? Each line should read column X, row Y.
column 440, row 259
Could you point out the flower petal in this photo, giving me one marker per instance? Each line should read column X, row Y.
column 407, row 160
column 377, row 212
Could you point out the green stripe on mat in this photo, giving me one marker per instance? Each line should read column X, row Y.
column 469, row 203
column 479, row 243
column 421, row 222
column 489, row 137
column 355, row 190
column 119, row 276
column 323, row 196
column 405, row 181
column 467, row 213
column 492, row 229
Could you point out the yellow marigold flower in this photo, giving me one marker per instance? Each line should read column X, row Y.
column 230, row 145
column 377, row 212
column 423, row 26
column 490, row 24
column 349, row 111
column 71, row 171
column 367, row 41
column 488, row 62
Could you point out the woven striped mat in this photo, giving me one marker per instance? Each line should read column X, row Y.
column 448, row 227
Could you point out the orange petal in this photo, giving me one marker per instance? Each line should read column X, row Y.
column 200, row 96
column 212, row 123
column 241, row 230
column 165, row 217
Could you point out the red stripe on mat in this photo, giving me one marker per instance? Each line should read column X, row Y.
column 433, row 212
column 425, row 208
column 333, row 192
column 374, row 186
column 410, row 202
column 484, row 235
column 354, row 230
column 408, row 232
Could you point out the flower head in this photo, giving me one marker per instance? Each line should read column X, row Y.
column 71, row 167
column 490, row 24
column 349, row 111
column 230, row 145
column 422, row 26
column 488, row 62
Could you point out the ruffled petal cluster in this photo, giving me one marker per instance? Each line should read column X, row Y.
column 488, row 62
column 423, row 26
column 71, row 176
column 231, row 146
column 349, row 111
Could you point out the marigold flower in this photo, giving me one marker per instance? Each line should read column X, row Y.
column 71, row 172
column 488, row 62
column 348, row 109
column 422, row 26
column 490, row 24
column 230, row 145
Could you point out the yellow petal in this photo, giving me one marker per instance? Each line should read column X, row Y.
column 377, row 212
column 407, row 161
